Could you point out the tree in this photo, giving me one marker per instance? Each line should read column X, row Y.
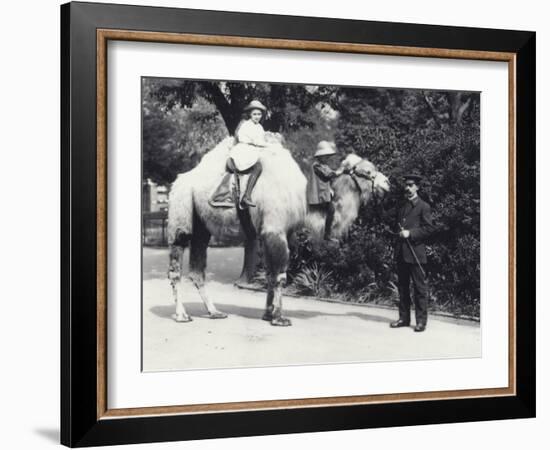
column 174, row 139
column 451, row 107
column 182, row 119
column 287, row 102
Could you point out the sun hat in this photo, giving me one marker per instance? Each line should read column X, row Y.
column 255, row 104
column 325, row 148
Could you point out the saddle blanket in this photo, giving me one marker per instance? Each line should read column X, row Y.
column 228, row 194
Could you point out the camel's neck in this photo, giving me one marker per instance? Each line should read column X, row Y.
column 347, row 203
column 347, row 209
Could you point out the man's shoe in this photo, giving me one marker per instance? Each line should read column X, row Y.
column 399, row 323
column 420, row 327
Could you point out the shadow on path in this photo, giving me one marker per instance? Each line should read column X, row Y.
column 197, row 309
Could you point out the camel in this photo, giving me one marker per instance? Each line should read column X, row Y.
column 280, row 196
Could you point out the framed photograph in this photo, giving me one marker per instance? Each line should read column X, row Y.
column 278, row 224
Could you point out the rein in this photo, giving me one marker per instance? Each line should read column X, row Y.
column 375, row 197
column 355, row 179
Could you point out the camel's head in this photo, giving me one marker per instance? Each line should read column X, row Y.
column 366, row 177
column 360, row 183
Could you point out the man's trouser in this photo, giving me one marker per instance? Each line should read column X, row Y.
column 405, row 273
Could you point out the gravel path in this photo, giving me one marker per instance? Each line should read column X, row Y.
column 321, row 332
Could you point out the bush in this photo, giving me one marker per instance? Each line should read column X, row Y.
column 447, row 153
column 314, row 280
column 358, row 267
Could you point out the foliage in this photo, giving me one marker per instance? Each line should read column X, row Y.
column 405, row 131
column 314, row 280
column 287, row 102
column 174, row 139
column 302, row 142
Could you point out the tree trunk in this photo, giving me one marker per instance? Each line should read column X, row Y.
column 431, row 107
column 230, row 112
column 459, row 104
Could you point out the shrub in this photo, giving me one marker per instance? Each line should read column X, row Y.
column 363, row 265
column 314, row 280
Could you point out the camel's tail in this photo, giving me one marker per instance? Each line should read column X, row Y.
column 180, row 210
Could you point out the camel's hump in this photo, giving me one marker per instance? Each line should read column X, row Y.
column 274, row 158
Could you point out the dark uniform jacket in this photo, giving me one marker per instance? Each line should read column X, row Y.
column 318, row 184
column 415, row 216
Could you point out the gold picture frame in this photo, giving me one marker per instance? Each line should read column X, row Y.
column 78, row 425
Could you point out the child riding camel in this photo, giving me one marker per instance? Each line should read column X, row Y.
column 319, row 191
column 244, row 156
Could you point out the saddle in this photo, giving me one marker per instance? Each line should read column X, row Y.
column 230, row 191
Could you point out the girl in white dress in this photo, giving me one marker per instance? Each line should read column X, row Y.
column 250, row 138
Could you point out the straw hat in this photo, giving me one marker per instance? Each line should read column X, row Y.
column 255, row 104
column 325, row 148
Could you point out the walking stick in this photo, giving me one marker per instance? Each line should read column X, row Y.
column 413, row 253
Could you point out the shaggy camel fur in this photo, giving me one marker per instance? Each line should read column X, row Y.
column 280, row 196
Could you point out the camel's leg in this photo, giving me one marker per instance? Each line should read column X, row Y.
column 268, row 314
column 250, row 264
column 175, row 275
column 276, row 258
column 197, row 266
column 251, row 248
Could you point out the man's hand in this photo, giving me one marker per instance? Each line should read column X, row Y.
column 404, row 234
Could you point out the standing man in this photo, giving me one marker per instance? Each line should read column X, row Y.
column 414, row 222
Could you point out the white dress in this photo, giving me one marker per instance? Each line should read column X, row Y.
column 250, row 138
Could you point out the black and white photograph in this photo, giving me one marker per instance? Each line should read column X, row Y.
column 298, row 224
column 263, row 225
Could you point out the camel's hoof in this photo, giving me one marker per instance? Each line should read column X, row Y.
column 181, row 318
column 267, row 316
column 218, row 315
column 281, row 322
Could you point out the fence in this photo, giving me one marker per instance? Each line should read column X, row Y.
column 154, row 229
column 155, row 234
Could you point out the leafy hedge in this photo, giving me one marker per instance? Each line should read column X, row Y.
column 406, row 139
